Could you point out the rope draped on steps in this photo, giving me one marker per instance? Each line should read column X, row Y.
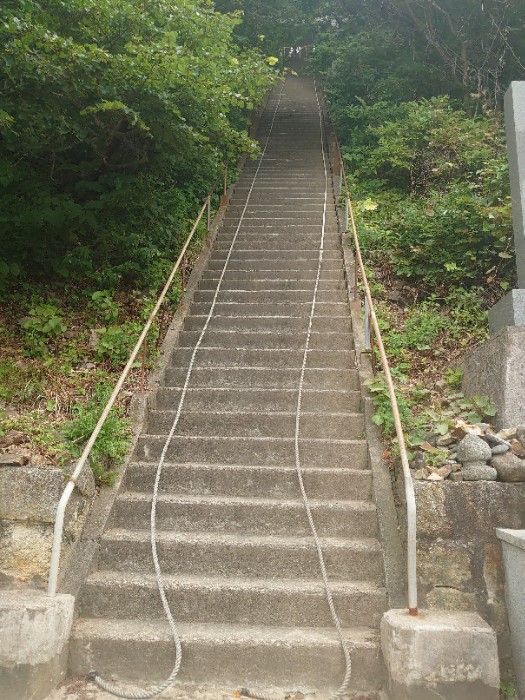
column 156, row 690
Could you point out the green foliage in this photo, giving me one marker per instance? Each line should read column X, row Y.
column 103, row 302
column 42, row 326
column 8, row 272
column 406, row 49
column 422, row 327
column 272, row 24
column 114, row 123
column 442, row 415
column 439, row 182
column 41, row 435
column 453, row 378
column 467, row 316
column 383, row 415
column 113, row 441
column 116, row 342
column 44, row 319
column 421, row 419
column 507, row 691
column 372, row 65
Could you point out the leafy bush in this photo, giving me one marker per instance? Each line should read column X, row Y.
column 103, row 302
column 43, row 325
column 434, row 417
column 116, row 342
column 114, row 123
column 113, row 441
column 441, row 211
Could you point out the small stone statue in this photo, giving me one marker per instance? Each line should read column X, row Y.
column 474, row 453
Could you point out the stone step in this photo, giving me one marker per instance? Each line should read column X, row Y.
column 319, row 425
column 277, row 238
column 277, row 263
column 248, row 481
column 271, row 296
column 274, row 452
column 276, row 216
column 275, row 324
column 139, row 651
column 309, row 234
column 219, row 601
column 275, row 275
column 259, row 211
column 262, row 191
column 241, row 515
column 282, row 197
column 273, row 359
column 258, row 400
column 245, row 556
column 298, row 254
column 254, row 285
column 317, row 185
column 260, row 340
column 296, row 196
column 322, row 308
column 284, row 246
column 261, row 378
column 280, row 216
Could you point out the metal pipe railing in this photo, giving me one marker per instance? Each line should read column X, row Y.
column 372, row 329
column 66, row 495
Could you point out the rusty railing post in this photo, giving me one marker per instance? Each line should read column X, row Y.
column 224, row 196
column 143, row 365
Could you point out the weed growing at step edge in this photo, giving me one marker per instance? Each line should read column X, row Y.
column 507, row 691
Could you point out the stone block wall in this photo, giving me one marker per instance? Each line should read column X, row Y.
column 460, row 563
column 28, row 501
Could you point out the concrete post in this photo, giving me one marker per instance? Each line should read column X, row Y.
column 439, row 654
column 497, row 368
column 34, row 642
column 513, row 543
column 515, row 127
column 510, row 311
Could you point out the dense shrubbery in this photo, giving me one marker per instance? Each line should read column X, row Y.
column 417, row 108
column 115, row 118
column 426, row 159
column 436, row 193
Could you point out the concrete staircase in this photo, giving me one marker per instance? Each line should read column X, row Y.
column 239, row 563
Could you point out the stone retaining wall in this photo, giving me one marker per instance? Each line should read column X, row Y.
column 460, row 563
column 28, row 501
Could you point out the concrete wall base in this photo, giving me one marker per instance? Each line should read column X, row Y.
column 513, row 543
column 497, row 369
column 33, row 644
column 437, row 654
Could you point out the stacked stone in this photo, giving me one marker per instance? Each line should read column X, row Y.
column 473, row 453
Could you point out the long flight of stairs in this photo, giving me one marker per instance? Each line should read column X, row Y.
column 239, row 562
